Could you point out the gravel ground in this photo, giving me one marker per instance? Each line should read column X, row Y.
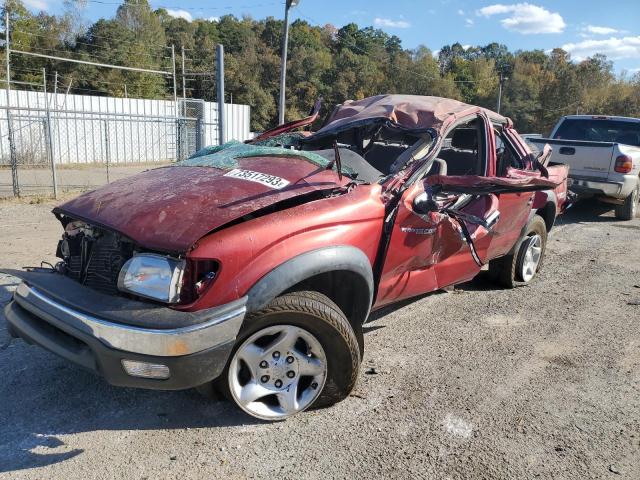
column 538, row 382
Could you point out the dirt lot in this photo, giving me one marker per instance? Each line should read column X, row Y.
column 537, row 382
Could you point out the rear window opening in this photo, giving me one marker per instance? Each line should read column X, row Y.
column 599, row 130
column 462, row 151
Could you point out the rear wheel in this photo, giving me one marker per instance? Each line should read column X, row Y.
column 629, row 209
column 521, row 265
column 299, row 352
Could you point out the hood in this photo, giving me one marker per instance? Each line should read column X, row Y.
column 170, row 208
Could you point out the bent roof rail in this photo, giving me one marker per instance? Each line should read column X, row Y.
column 414, row 113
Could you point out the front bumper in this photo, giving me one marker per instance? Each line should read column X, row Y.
column 194, row 347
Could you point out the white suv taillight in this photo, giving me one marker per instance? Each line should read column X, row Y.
column 624, row 164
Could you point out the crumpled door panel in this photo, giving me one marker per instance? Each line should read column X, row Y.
column 517, row 181
column 431, row 251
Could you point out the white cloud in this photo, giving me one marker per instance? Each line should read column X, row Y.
column 460, row 12
column 468, row 22
column 179, row 14
column 214, row 19
column 466, row 47
column 36, row 4
column 525, row 18
column 614, row 48
column 387, row 22
column 600, row 30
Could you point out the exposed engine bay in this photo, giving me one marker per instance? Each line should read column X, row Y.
column 92, row 256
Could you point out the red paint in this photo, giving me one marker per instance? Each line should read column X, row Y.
column 248, row 251
column 287, row 127
column 169, row 209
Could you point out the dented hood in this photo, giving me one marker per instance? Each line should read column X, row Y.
column 168, row 209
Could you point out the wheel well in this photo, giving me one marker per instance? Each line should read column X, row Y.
column 347, row 290
column 548, row 214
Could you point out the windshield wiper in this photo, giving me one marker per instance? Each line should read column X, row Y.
column 336, row 160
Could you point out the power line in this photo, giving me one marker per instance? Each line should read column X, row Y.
column 96, row 64
column 79, row 53
column 93, row 45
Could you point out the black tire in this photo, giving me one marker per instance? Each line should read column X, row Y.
column 504, row 270
column 629, row 209
column 321, row 317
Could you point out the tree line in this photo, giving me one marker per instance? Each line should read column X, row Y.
column 324, row 61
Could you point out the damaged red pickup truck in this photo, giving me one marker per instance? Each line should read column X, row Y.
column 254, row 266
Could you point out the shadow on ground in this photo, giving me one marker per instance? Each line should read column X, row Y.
column 588, row 210
column 43, row 398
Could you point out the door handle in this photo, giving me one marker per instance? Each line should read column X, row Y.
column 567, row 151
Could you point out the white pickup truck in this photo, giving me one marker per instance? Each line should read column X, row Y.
column 604, row 155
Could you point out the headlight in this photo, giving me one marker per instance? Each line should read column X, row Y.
column 152, row 276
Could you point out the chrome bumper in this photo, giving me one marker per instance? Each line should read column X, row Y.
column 611, row 189
column 222, row 326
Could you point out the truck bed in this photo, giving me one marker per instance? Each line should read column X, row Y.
column 586, row 159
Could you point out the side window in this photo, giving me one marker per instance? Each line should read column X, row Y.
column 463, row 151
column 506, row 155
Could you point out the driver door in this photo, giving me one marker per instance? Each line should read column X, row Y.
column 462, row 229
column 428, row 251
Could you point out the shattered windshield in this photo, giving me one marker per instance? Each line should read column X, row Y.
column 226, row 156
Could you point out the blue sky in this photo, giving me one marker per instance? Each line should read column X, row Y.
column 582, row 27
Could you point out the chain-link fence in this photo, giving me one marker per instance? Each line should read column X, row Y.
column 49, row 145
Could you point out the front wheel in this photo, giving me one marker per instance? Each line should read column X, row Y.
column 521, row 265
column 629, row 209
column 299, row 352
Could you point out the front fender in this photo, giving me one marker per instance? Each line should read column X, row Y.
column 318, row 236
column 307, row 265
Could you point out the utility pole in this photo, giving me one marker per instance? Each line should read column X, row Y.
column 220, row 81
column 283, row 60
column 12, row 147
column 48, row 134
column 502, row 80
column 184, row 86
column 173, row 73
column 175, row 105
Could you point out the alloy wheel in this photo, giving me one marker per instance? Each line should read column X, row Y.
column 277, row 372
column 531, row 258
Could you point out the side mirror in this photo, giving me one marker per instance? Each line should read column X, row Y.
column 424, row 203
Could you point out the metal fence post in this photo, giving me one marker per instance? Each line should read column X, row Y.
column 107, row 150
column 48, row 135
column 12, row 156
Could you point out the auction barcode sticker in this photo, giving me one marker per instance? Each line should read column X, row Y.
column 269, row 180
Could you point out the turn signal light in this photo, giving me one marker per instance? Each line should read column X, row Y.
column 135, row 368
column 624, row 164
